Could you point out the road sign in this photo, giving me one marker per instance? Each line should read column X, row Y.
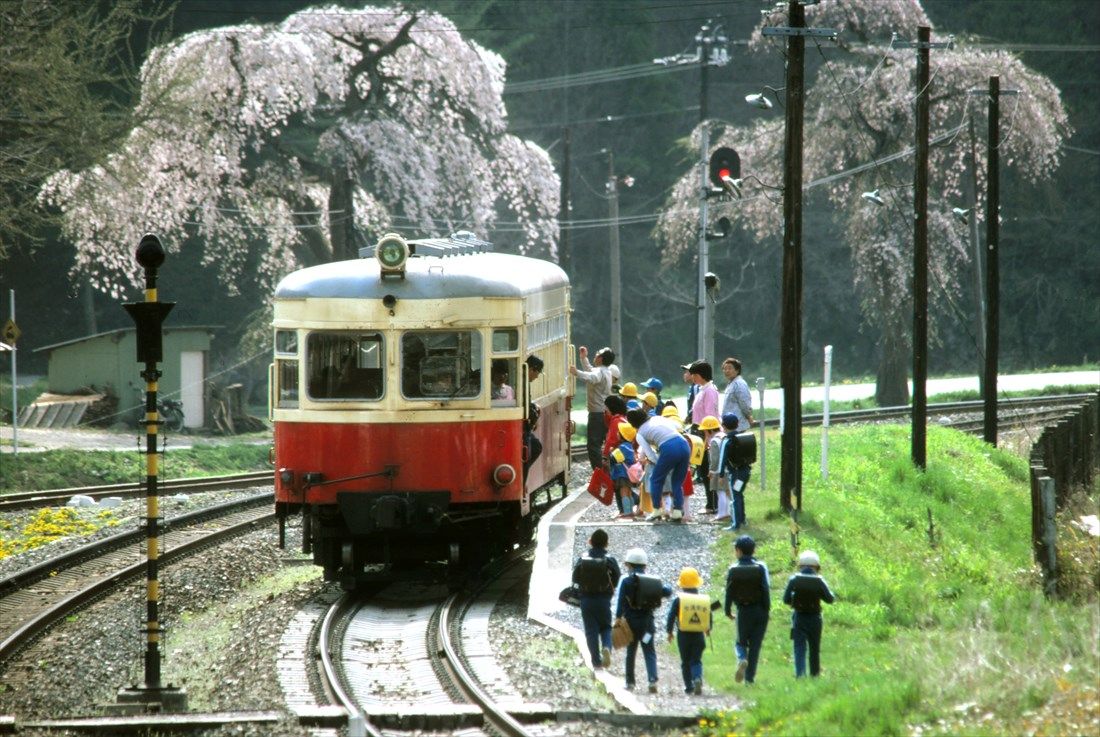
column 11, row 332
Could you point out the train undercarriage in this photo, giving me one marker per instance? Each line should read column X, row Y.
column 367, row 538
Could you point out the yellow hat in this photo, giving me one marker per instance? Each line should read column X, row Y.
column 627, row 431
column 670, row 411
column 690, row 579
column 629, row 389
column 710, row 422
column 650, row 399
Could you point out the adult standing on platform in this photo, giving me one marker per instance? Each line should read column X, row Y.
column 705, row 405
column 692, row 388
column 599, row 376
column 737, row 398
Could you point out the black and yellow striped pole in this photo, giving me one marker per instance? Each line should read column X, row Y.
column 148, row 317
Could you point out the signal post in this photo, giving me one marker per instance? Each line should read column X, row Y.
column 148, row 317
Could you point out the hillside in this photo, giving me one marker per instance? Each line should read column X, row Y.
column 940, row 625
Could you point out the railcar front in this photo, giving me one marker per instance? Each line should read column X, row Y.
column 400, row 402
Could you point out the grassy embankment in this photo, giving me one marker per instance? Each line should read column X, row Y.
column 940, row 628
column 59, row 469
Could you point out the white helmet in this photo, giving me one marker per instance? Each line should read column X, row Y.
column 636, row 557
column 809, row 558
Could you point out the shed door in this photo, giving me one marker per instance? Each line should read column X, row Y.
column 192, row 376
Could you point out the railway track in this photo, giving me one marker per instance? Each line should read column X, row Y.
column 51, row 497
column 35, row 598
column 419, row 659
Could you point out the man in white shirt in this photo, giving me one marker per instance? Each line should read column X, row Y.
column 599, row 376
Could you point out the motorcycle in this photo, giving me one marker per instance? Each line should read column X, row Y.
column 171, row 414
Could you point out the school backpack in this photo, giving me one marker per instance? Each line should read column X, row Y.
column 648, row 592
column 694, row 613
column 740, row 450
column 593, row 575
column 745, row 584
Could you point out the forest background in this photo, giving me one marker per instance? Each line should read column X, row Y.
column 1050, row 262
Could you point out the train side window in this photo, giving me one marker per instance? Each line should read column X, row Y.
column 441, row 364
column 286, row 373
column 505, row 341
column 345, row 365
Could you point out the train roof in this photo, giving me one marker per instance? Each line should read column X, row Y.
column 426, row 277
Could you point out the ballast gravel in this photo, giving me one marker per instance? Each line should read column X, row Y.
column 79, row 665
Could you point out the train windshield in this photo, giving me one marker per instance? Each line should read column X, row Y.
column 441, row 364
column 345, row 365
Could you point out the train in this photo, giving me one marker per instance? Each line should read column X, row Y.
column 402, row 404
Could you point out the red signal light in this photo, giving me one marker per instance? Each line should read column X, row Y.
column 724, row 173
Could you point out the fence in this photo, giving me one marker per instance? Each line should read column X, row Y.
column 1065, row 456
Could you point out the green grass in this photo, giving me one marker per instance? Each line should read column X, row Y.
column 56, row 469
column 932, row 625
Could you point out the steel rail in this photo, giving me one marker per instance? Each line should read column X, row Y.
column 497, row 718
column 331, row 681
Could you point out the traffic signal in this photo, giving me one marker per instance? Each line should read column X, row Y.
column 725, row 164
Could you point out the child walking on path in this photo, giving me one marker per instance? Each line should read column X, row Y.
column 749, row 588
column 639, row 595
column 805, row 592
column 689, row 614
column 596, row 574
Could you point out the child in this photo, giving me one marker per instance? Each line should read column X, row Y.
column 718, row 481
column 621, row 458
column 596, row 574
column 749, row 588
column 690, row 613
column 805, row 592
column 639, row 595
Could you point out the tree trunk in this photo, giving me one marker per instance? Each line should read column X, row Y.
column 87, row 305
column 341, row 207
column 891, row 382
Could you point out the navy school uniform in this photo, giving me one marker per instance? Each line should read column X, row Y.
column 641, row 624
column 596, row 605
column 749, row 588
column 690, row 644
column 804, row 593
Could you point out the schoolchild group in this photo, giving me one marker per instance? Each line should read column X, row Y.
column 636, row 596
column 646, row 451
column 642, row 450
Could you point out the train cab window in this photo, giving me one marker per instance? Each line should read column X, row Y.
column 502, row 376
column 345, row 365
column 441, row 364
column 505, row 341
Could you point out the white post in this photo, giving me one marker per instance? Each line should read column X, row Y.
column 760, row 422
column 703, row 311
column 14, row 392
column 825, row 413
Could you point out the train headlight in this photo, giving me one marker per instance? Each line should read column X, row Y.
column 504, row 474
column 392, row 252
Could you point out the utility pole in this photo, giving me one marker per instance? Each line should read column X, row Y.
column 920, row 257
column 790, row 354
column 919, row 431
column 710, row 51
column 616, row 265
column 992, row 273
